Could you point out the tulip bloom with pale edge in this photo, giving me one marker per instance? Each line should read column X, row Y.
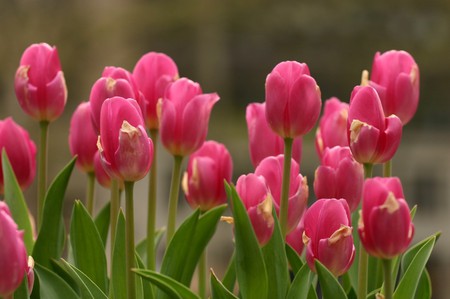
column 339, row 176
column 328, row 235
column 395, row 76
column 263, row 141
column 153, row 73
column 203, row 182
column 385, row 226
column 373, row 138
column 39, row 83
column 184, row 116
column 292, row 99
column 294, row 238
column 258, row 202
column 332, row 130
column 125, row 149
column 271, row 168
column 21, row 152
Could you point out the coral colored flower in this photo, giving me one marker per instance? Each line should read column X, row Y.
column 332, row 130
column 339, row 176
column 21, row 152
column 39, row 83
column 203, row 182
column 125, row 149
column 373, row 138
column 395, row 76
column 271, row 168
column 328, row 235
column 153, row 73
column 385, row 227
column 258, row 202
column 263, row 141
column 292, row 99
column 184, row 117
column 83, row 138
column 294, row 238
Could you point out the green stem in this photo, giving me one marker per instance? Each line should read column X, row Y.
column 129, row 224
column 173, row 198
column 285, row 186
column 42, row 169
column 114, row 211
column 90, row 192
column 387, row 265
column 387, row 169
column 202, row 266
column 151, row 216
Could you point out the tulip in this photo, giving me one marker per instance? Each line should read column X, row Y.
column 339, row 176
column 332, row 130
column 373, row 138
column 21, row 152
column 292, row 99
column 207, row 169
column 395, row 76
column 39, row 83
column 263, row 142
column 294, row 238
column 328, row 235
column 385, row 227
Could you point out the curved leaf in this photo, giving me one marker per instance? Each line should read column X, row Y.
column 141, row 247
column 229, row 278
column 300, row 286
column 424, row 290
column 102, row 222
column 294, row 259
column 331, row 288
column 119, row 268
column 218, row 290
column 53, row 286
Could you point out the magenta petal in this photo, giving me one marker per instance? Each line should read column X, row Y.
column 276, row 102
column 365, row 144
column 325, row 182
column 366, row 107
column 391, row 141
column 57, row 97
column 407, row 98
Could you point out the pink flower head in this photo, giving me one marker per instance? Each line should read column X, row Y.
column 203, row 182
column 39, row 83
column 125, row 149
column 385, row 227
column 293, row 99
column 339, row 176
column 263, row 141
column 373, row 138
column 332, row 130
column 328, row 235
column 294, row 238
column 271, row 168
column 395, row 76
column 257, row 199
column 184, row 117
column 101, row 175
column 153, row 73
column 21, row 152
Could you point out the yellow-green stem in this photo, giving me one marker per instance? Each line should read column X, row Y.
column 202, row 266
column 90, row 192
column 129, row 224
column 151, row 216
column 284, row 201
column 387, row 169
column 114, row 211
column 388, row 287
column 173, row 198
column 42, row 169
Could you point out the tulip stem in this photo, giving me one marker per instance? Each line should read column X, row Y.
column 387, row 169
column 90, row 192
column 173, row 198
column 42, row 170
column 202, row 275
column 387, row 265
column 114, row 211
column 151, row 213
column 285, row 186
column 130, row 251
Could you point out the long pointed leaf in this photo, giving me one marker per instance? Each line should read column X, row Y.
column 53, row 286
column 300, row 286
column 229, row 278
column 218, row 290
column 330, row 286
column 294, row 259
column 102, row 222
column 141, row 247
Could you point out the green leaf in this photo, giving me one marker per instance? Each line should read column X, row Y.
column 409, row 255
column 16, row 202
column 102, row 222
column 218, row 290
column 331, row 288
column 50, row 242
column 229, row 279
column 141, row 248
column 119, row 267
column 301, row 284
column 87, row 246
column 53, row 286
column 424, row 290
column 147, row 290
column 293, row 258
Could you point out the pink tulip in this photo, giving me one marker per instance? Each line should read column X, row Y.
column 293, row 99
column 203, row 182
column 39, row 84
column 328, row 235
column 294, row 238
column 263, row 142
column 332, row 130
column 126, row 151
column 101, row 175
column 184, row 117
column 395, row 76
column 153, row 73
column 339, row 176
column 21, row 152
column 385, row 226
column 257, row 199
column 271, row 168
column 373, row 138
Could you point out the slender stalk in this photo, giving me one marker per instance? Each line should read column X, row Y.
column 173, row 198
column 114, row 211
column 387, row 169
column 42, row 169
column 388, row 287
column 129, row 224
column 285, row 185
column 90, row 192
column 202, row 266
column 151, row 216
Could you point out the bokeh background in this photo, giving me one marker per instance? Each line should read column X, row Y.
column 229, row 47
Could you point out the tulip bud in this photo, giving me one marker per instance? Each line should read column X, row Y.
column 294, row 238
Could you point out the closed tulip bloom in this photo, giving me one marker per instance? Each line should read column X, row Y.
column 125, row 149
column 395, row 76
column 21, row 152
column 184, row 116
column 39, row 83
column 373, row 138
column 153, row 73
column 203, row 182
column 294, row 238
column 339, row 176
column 332, row 130
column 258, row 202
column 271, row 168
column 385, row 227
column 101, row 175
column 292, row 99
column 263, row 142
column 328, row 235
